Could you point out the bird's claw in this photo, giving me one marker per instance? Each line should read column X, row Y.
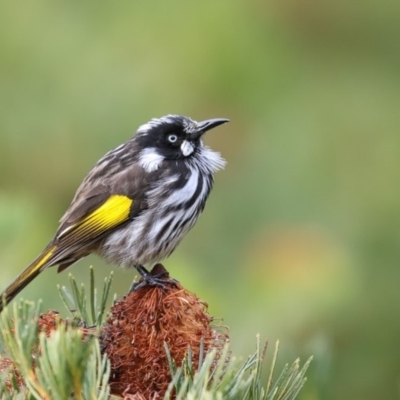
column 159, row 276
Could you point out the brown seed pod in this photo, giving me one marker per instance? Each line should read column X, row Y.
column 137, row 328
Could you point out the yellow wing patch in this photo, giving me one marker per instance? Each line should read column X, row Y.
column 113, row 212
column 110, row 214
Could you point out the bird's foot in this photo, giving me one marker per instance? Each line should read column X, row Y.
column 158, row 276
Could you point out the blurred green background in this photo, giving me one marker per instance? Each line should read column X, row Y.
column 300, row 239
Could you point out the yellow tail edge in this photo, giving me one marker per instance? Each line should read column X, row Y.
column 26, row 276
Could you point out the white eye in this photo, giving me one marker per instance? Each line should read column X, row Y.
column 172, row 138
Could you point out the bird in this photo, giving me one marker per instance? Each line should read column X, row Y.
column 137, row 203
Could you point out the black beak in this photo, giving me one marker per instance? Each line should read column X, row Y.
column 208, row 124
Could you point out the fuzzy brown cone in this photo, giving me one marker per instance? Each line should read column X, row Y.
column 137, row 328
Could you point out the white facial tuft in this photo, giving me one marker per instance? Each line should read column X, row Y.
column 150, row 160
column 209, row 160
column 187, row 148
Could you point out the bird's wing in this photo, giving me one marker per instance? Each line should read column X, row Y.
column 95, row 216
column 98, row 215
column 99, row 208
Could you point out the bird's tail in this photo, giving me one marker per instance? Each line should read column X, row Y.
column 27, row 275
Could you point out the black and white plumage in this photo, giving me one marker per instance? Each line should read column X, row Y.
column 178, row 178
column 138, row 201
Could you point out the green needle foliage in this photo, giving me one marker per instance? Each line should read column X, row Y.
column 69, row 364
column 221, row 378
column 76, row 300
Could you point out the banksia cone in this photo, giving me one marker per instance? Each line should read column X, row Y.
column 140, row 324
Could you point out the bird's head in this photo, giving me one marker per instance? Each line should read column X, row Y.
column 174, row 136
